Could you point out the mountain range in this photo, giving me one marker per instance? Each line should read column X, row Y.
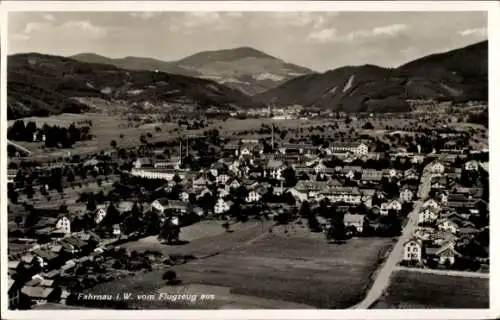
column 43, row 85
column 456, row 75
column 243, row 68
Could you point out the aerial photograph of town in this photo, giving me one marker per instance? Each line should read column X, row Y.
column 247, row 160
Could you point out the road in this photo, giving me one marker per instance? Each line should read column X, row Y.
column 17, row 146
column 467, row 274
column 384, row 273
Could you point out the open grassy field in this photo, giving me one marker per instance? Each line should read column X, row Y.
column 295, row 268
column 415, row 290
column 204, row 239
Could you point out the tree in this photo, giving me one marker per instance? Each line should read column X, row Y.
column 30, row 192
column 113, row 143
column 368, row 125
column 289, row 177
column 91, row 203
column 305, row 209
column 337, row 229
column 170, row 276
column 177, row 179
column 169, row 232
column 18, row 220
column 226, row 225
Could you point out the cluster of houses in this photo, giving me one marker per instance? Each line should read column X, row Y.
column 444, row 221
column 35, row 275
column 245, row 165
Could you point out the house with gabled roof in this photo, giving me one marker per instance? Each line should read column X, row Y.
column 160, row 204
column 222, row 206
column 437, row 168
column 234, row 183
column 253, row 196
column 354, row 220
column 371, row 175
column 445, row 253
column 431, row 203
column 406, row 195
column 412, row 250
column 63, row 224
column 200, row 182
column 471, row 165
column 447, row 225
column 428, row 215
column 350, row 195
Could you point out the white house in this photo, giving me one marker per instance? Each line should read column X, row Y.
column 395, row 205
column 214, row 172
column 117, row 230
column 320, row 168
column 431, row 203
column 471, row 165
column 184, row 196
column 361, row 149
column 245, row 151
column 437, row 168
column 253, row 196
column 221, row 206
column 157, row 174
column 99, row 214
column 406, row 195
column 412, row 250
column 448, row 225
column 160, row 204
column 222, row 178
column 224, row 191
column 391, row 173
column 64, row 224
column 384, row 208
column 427, row 215
column 355, row 220
column 234, row 184
column 417, row 158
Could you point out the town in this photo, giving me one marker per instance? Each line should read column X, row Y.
column 64, row 237
column 260, row 159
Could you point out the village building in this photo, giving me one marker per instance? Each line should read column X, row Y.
column 222, row 206
column 253, row 196
column 471, row 165
column 354, row 220
column 427, row 215
column 63, row 224
column 99, row 214
column 443, row 254
column 406, row 195
column 437, row 168
column 358, row 149
column 412, row 250
column 447, row 225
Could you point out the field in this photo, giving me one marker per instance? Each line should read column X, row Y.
column 204, row 239
column 415, row 290
column 293, row 268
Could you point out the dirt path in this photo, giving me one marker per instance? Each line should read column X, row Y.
column 468, row 274
column 384, row 273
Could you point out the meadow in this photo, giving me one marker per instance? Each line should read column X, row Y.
column 415, row 290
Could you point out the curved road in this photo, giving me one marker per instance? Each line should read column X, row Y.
column 384, row 273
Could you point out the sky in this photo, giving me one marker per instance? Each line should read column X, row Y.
column 317, row 40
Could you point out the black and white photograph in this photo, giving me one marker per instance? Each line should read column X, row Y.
column 212, row 159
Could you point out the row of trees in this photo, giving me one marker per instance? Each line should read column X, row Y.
column 53, row 136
